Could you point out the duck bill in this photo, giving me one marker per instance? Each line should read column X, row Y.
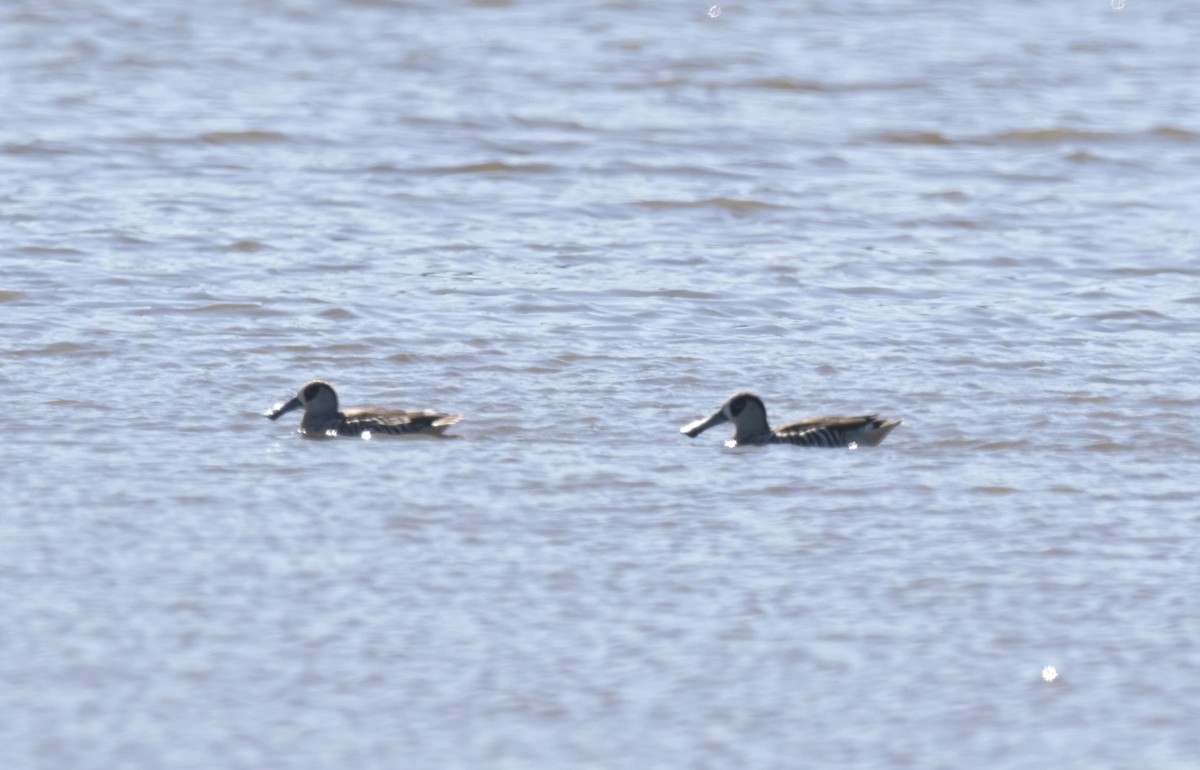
column 282, row 408
column 693, row 429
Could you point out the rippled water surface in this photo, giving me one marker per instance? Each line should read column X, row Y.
column 583, row 225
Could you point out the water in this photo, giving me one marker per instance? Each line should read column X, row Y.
column 584, row 226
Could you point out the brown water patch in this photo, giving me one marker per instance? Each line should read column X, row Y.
column 494, row 167
column 242, row 137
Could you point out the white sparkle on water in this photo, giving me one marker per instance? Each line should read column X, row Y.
column 1118, row 5
column 1049, row 673
column 715, row 11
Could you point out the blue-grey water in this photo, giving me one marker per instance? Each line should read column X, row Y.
column 583, row 225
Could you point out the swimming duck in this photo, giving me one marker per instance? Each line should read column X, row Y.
column 749, row 417
column 322, row 417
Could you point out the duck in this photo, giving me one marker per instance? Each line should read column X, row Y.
column 750, row 428
column 323, row 418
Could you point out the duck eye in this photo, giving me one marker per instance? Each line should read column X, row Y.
column 737, row 405
column 311, row 392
